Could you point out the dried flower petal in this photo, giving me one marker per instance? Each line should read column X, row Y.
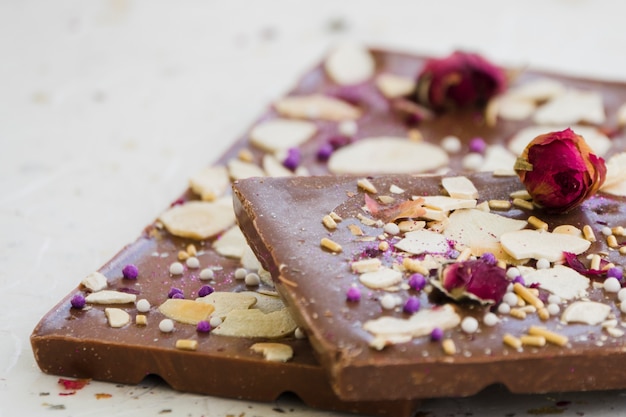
column 474, row 279
column 560, row 171
column 459, row 80
column 404, row 210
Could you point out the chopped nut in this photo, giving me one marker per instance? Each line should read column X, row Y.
column 550, row 336
column 141, row 320
column 355, row 230
column 537, row 223
column 512, row 341
column 448, row 346
column 595, row 262
column 182, row 255
column 523, row 204
column 611, row 241
column 518, row 313
column 588, row 233
column 95, row 282
column 329, row 222
column 460, row 187
column 273, row 352
column 499, row 205
column 117, row 317
column 335, row 216
column 528, row 296
column 414, row 265
column 366, row 265
column 110, row 297
column 366, row 185
column 330, row 245
column 186, row 311
column 528, row 340
column 245, row 155
column 521, row 194
column 186, row 344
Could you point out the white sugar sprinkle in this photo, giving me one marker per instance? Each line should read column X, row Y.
column 554, row 299
column 622, row 306
column 490, row 319
column 612, row 285
column 143, row 305
column 388, row 301
column 543, row 263
column 621, row 294
column 252, row 279
column 553, row 309
column 176, row 268
column 299, row 334
column 606, row 231
column 504, row 308
column 206, row 274
column 193, row 263
column 451, row 144
column 166, row 325
column 469, row 325
column 348, row 128
column 510, row 298
column 392, row 229
column 240, row 273
column 473, row 161
column 215, row 321
column 512, row 273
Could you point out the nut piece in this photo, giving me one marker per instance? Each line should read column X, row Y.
column 559, row 280
column 423, row 241
column 187, row 344
column 316, row 106
column 460, row 187
column 279, row 134
column 349, row 64
column 588, row 312
column 224, row 302
column 393, row 86
column 536, row 244
column 210, row 183
column 255, row 323
column 273, row 352
column 199, row 219
column 117, row 317
column 231, row 244
column 95, row 282
column 186, row 311
column 382, row 278
column 110, row 297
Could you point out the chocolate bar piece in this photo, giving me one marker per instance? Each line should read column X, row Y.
column 349, row 284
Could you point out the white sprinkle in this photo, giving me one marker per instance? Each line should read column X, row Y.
column 451, row 144
column 543, row 263
column 612, row 285
column 252, row 279
column 176, row 268
column 473, row 161
column 469, row 325
column 621, row 294
column 143, row 305
column 299, row 334
column 606, row 231
column 554, row 299
column 490, row 319
column 553, row 309
column 504, row 308
column 207, row 274
column 622, row 306
column 240, row 273
column 193, row 262
column 348, row 128
column 392, row 229
column 388, row 301
column 166, row 325
column 510, row 298
column 215, row 321
column 512, row 273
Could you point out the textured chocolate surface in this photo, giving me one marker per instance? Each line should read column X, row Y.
column 282, row 220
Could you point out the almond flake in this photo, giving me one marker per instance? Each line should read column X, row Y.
column 587, row 312
column 391, row 330
column 199, row 219
column 470, row 227
column 267, row 302
column 186, row 311
column 239, row 170
column 231, row 243
column 615, row 171
column 117, row 317
column 210, row 183
column 574, row 106
column 394, row 86
column 366, row 265
column 621, row 115
column 386, row 155
column 95, row 282
column 460, row 187
column 536, row 244
column 394, row 189
column 224, row 302
column 423, row 241
column 249, row 260
column 349, row 64
column 499, row 160
column 316, row 106
column 559, row 280
column 110, row 297
column 538, row 90
column 366, row 185
column 444, row 203
column 382, row 278
column 274, row 168
column 255, row 323
column 514, row 108
column 278, row 134
column 598, row 141
column 568, row 229
column 273, row 352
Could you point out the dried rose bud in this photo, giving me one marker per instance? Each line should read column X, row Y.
column 474, row 279
column 460, row 80
column 560, row 171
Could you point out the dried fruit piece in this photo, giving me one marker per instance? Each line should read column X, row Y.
column 186, row 311
column 110, row 297
column 273, row 352
column 559, row 280
column 423, row 241
column 537, row 244
column 224, row 302
column 382, row 278
column 279, row 134
column 475, row 279
column 255, row 323
column 199, row 219
column 117, row 317
column 95, row 282
column 316, row 106
column 386, row 155
column 231, row 243
column 394, row 86
column 349, row 64
column 210, row 183
column 587, row 312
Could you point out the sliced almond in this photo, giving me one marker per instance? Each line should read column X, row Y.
column 423, row 241
column 231, row 243
column 224, row 302
column 266, row 302
column 95, row 282
column 536, row 244
column 538, row 90
column 239, row 170
column 391, row 330
column 393, row 86
column 366, row 265
column 273, row 352
column 568, row 229
column 574, row 106
column 382, row 278
column 587, row 312
column 186, row 311
column 460, row 187
column 278, row 134
column 445, row 203
column 210, row 183
column 255, row 323
column 598, row 141
column 199, row 219
column 471, row 227
column 249, row 260
column 514, row 108
column 117, row 317
column 274, row 168
column 316, row 106
column 387, row 155
column 349, row 64
column 559, row 280
column 498, row 159
column 110, row 297
column 615, row 171
column 621, row 115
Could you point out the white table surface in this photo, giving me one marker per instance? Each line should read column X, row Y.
column 107, row 107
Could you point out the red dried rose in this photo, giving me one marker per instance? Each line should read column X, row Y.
column 477, row 279
column 560, row 171
column 460, row 80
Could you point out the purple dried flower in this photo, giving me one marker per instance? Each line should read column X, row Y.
column 205, row 290
column 412, row 305
column 203, row 326
column 353, row 294
column 293, row 159
column 489, row 258
column 475, row 278
column 615, row 272
column 78, row 301
column 437, row 334
column 175, row 293
column 325, row 151
column 339, row 141
column 417, row 282
column 519, row 279
column 130, row 271
column 478, row 145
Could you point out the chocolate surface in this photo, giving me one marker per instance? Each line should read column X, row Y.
column 77, row 343
column 282, row 221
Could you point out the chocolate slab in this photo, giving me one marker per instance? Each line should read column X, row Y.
column 80, row 343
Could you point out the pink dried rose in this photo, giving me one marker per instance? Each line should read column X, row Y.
column 560, row 171
column 476, row 279
column 460, row 80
